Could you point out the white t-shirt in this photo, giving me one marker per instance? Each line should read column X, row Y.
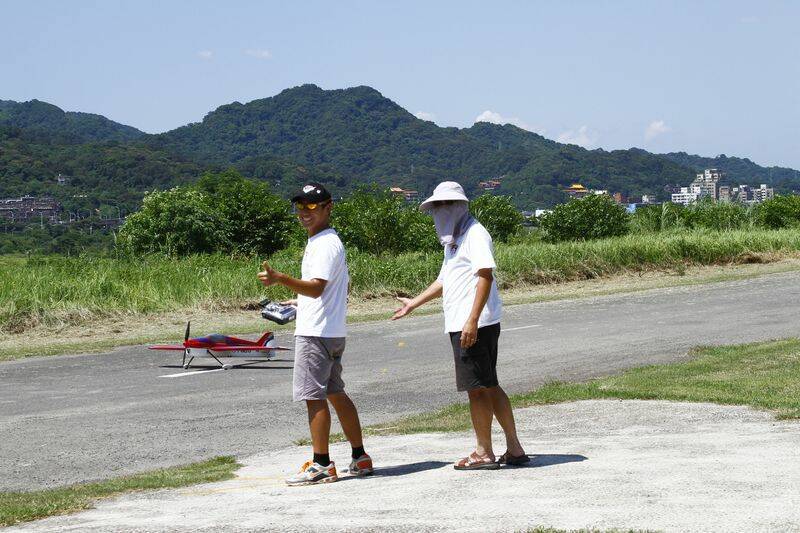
column 325, row 316
column 473, row 251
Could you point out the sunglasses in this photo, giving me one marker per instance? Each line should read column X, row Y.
column 439, row 203
column 299, row 206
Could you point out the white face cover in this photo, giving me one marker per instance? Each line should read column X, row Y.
column 449, row 221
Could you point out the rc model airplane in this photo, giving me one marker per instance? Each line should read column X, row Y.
column 217, row 345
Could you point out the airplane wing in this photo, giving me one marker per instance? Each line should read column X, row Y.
column 167, row 347
column 245, row 348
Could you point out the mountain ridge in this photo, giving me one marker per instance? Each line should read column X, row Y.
column 348, row 137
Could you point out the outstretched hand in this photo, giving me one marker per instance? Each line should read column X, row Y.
column 403, row 311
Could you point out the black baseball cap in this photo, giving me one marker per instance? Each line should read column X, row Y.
column 312, row 193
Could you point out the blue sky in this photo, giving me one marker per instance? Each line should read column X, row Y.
column 701, row 77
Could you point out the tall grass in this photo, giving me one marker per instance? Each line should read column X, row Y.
column 56, row 289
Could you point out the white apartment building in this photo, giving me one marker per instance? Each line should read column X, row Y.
column 687, row 195
column 707, row 182
column 763, row 193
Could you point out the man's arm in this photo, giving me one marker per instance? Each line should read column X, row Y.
column 312, row 288
column 434, row 290
column 469, row 333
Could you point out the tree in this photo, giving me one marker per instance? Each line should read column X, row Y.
column 593, row 217
column 782, row 211
column 379, row 222
column 180, row 221
column 256, row 220
column 498, row 215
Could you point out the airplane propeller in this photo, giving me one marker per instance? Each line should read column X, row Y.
column 188, row 326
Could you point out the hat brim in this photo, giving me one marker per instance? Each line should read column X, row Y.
column 441, row 197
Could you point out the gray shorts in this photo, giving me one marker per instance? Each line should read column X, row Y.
column 317, row 367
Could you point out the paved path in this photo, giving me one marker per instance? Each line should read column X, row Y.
column 657, row 466
column 74, row 418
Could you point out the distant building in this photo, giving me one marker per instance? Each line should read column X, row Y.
column 707, row 182
column 540, row 212
column 30, row 208
column 763, row 193
column 61, row 179
column 648, row 199
column 408, row 195
column 576, row 190
column 724, row 193
column 620, row 198
column 687, row 195
column 742, row 193
column 490, row 185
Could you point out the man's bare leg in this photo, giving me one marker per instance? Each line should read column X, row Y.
column 481, row 410
column 505, row 416
column 319, row 422
column 348, row 417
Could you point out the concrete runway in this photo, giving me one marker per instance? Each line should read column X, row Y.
column 75, row 418
column 595, row 465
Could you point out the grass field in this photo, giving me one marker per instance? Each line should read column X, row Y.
column 762, row 375
column 58, row 290
column 18, row 507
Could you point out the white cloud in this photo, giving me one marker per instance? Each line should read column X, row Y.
column 423, row 115
column 496, row 118
column 656, row 128
column 258, row 53
column 205, row 54
column 582, row 137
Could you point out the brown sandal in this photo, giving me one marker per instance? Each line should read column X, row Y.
column 513, row 460
column 476, row 462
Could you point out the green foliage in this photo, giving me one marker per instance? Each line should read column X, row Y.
column 256, row 220
column 16, row 507
column 780, row 212
column 498, row 215
column 55, row 290
column 593, row 217
column 49, row 120
column 655, row 218
column 180, row 221
column 717, row 215
column 70, row 239
column 223, row 213
column 379, row 222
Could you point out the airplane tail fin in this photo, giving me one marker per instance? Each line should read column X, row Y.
column 265, row 338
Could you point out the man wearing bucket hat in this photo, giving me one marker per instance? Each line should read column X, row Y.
column 472, row 311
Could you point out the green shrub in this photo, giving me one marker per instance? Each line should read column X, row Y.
column 780, row 212
column 180, row 221
column 593, row 217
column 498, row 215
column 223, row 213
column 655, row 218
column 709, row 214
column 379, row 222
column 257, row 221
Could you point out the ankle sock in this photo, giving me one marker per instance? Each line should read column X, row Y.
column 322, row 459
column 358, row 452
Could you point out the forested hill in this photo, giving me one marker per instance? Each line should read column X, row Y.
column 363, row 136
column 343, row 137
column 740, row 170
column 48, row 120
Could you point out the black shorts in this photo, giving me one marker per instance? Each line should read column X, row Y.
column 476, row 366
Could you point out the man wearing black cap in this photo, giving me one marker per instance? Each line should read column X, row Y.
column 320, row 337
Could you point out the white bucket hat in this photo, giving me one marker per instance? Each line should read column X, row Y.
column 446, row 190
